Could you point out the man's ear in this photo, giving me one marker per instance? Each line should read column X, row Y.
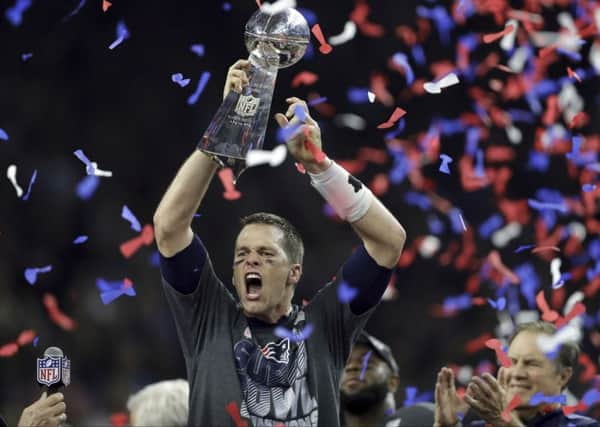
column 294, row 274
column 565, row 376
column 393, row 383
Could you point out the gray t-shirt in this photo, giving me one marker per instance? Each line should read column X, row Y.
column 233, row 360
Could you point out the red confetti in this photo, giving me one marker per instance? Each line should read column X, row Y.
column 396, row 115
column 516, row 401
column 572, row 74
column 547, row 314
column 26, row 337
column 226, row 177
column 579, row 120
column 300, row 168
column 580, row 407
column 589, row 371
column 232, row 408
column 258, row 4
column 57, row 316
column 325, row 47
column 119, row 419
column 304, row 78
column 577, row 310
column 9, row 350
column 552, row 110
column 544, row 248
column 105, row 5
column 496, row 345
column 478, row 343
column 131, row 246
column 489, row 38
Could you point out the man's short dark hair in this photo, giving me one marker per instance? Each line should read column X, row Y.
column 569, row 350
column 292, row 241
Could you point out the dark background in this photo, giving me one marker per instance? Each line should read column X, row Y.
column 121, row 108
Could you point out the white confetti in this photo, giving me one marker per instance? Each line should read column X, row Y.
column 547, row 343
column 437, row 86
column 273, row 158
column 351, row 121
column 508, row 41
column 555, row 269
column 501, row 237
column 371, row 96
column 11, row 174
column 514, row 134
column 345, row 36
column 278, row 6
column 429, row 246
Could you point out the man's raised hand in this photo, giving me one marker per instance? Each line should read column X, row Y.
column 237, row 77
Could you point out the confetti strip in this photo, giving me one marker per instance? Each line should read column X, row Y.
column 130, row 247
column 226, row 177
column 11, row 174
column 32, row 273
column 75, row 11
column 514, row 403
column 550, row 344
column 80, row 239
column 3, row 135
column 310, row 146
column 122, row 35
column 561, row 207
column 15, row 14
column 540, row 397
column 302, row 335
column 178, row 78
column 446, row 160
column 325, row 47
column 305, row 78
column 490, row 38
column 577, row 310
column 109, row 291
column 573, row 75
column 496, row 345
column 273, row 158
column 346, row 293
column 345, row 36
column 365, row 365
column 105, row 5
column 87, row 187
column 204, row 78
column 57, row 316
column 437, row 86
column 31, row 182
column 496, row 262
column 548, row 315
column 233, row 410
column 126, row 214
column 396, row 115
column 198, row 49
column 24, row 338
column 91, row 168
column 119, row 419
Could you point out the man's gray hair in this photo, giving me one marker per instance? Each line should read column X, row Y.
column 162, row 404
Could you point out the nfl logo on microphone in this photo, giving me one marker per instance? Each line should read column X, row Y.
column 53, row 370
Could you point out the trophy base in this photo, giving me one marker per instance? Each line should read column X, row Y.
column 236, row 163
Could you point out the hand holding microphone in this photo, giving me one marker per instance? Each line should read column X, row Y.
column 47, row 411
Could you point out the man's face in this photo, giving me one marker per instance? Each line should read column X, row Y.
column 531, row 371
column 359, row 395
column 263, row 276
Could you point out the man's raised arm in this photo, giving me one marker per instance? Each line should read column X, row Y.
column 381, row 233
column 174, row 215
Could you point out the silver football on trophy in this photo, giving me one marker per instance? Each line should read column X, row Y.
column 283, row 36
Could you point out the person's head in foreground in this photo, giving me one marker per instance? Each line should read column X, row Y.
column 532, row 371
column 267, row 265
column 162, row 404
column 369, row 381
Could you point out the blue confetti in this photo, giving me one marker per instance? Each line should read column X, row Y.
column 87, row 187
column 411, row 393
column 436, row 226
column 561, row 280
column 89, row 168
column 199, row 89
column 401, row 60
column 365, row 364
column 178, row 78
column 26, row 56
column 538, row 161
column 282, row 332
column 226, row 6
column 309, row 15
column 500, row 304
column 446, row 160
column 459, row 302
column 418, row 54
column 524, row 248
column 346, row 293
column 317, row 101
column 539, row 397
column 561, row 207
column 31, row 182
column 472, row 140
column 154, row 259
column 80, row 239
column 417, row 199
column 109, row 291
column 122, row 35
column 358, row 95
column 3, row 135
column 479, row 168
column 490, row 225
column 32, row 273
column 591, row 397
column 75, row 11
column 198, row 49
column 129, row 216
column 15, row 14
column 588, row 187
column 35, row 341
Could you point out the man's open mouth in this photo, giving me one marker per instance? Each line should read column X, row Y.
column 253, row 285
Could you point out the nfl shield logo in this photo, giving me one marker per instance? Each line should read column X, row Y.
column 247, row 106
column 48, row 370
column 66, row 371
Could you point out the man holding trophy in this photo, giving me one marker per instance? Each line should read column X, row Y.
column 259, row 360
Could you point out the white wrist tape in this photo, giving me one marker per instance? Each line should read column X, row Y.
column 349, row 197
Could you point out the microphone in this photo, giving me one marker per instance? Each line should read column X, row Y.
column 53, row 370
